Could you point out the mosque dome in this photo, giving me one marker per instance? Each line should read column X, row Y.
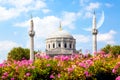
column 60, row 34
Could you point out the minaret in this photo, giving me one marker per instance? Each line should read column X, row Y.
column 94, row 33
column 31, row 34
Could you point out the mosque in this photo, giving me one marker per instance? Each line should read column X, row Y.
column 61, row 42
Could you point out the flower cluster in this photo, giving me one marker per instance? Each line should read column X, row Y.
column 61, row 67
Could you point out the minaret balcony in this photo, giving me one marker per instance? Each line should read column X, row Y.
column 94, row 31
column 31, row 33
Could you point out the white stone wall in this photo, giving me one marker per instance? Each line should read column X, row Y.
column 68, row 42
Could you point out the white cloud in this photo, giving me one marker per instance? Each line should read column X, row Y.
column 83, row 2
column 5, row 47
column 108, row 5
column 92, row 6
column 107, row 37
column 42, row 26
column 25, row 3
column 46, row 11
column 45, row 26
column 88, row 29
column 7, row 13
column 16, row 7
column 81, row 38
column 22, row 24
column 69, row 18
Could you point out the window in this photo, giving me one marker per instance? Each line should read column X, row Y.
column 65, row 45
column 53, row 45
column 59, row 45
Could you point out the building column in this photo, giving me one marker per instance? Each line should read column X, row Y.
column 55, row 44
column 62, row 44
column 68, row 45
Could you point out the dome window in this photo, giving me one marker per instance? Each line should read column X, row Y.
column 59, row 45
column 65, row 45
column 53, row 45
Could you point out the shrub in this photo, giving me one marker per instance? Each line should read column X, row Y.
column 74, row 67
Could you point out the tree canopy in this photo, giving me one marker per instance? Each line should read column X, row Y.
column 19, row 53
column 115, row 49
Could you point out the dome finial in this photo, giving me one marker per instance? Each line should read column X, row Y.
column 60, row 27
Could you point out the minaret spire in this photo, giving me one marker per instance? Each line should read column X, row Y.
column 94, row 20
column 31, row 23
column 31, row 34
column 60, row 27
column 94, row 32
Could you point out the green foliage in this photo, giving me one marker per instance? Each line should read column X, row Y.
column 19, row 53
column 115, row 50
column 107, row 49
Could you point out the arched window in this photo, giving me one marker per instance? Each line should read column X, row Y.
column 70, row 46
column 65, row 45
column 59, row 45
column 53, row 45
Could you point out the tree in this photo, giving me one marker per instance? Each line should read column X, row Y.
column 19, row 53
column 115, row 50
column 107, row 48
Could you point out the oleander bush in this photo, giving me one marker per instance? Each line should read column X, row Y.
column 74, row 67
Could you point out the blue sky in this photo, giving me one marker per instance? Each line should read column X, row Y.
column 75, row 15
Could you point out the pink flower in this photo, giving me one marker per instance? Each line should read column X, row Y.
column 28, row 74
column 52, row 76
column 82, row 65
column 3, row 77
column 5, row 74
column 70, row 69
column 118, row 78
column 64, row 58
column 89, row 62
column 116, row 67
column 58, row 75
column 48, row 65
column 46, row 57
column 33, row 67
column 86, row 73
column 12, row 79
column 1, row 65
column 102, row 52
column 114, row 71
column 56, row 57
